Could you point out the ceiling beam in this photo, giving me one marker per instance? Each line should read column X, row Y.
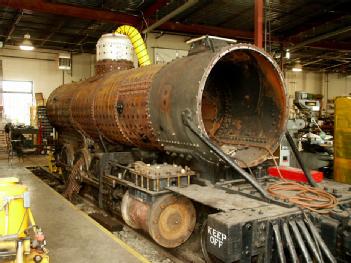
column 56, row 29
column 86, row 35
column 258, row 21
column 116, row 17
column 235, row 16
column 330, row 13
column 119, row 18
column 308, row 26
column 320, row 38
column 332, row 45
column 13, row 26
column 188, row 4
column 197, row 29
column 335, row 66
column 74, row 11
column 153, row 8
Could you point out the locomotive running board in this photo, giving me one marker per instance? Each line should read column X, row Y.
column 217, row 198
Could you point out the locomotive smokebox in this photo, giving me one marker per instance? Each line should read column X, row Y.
column 236, row 97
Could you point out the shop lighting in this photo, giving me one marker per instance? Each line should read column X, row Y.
column 287, row 54
column 297, row 67
column 26, row 44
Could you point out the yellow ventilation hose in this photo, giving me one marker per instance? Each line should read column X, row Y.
column 137, row 42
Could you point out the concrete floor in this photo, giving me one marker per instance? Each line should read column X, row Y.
column 72, row 236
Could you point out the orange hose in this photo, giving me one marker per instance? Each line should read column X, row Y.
column 304, row 196
column 308, row 197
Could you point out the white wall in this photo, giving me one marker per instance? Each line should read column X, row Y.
column 335, row 85
column 158, row 41
column 330, row 85
column 306, row 80
column 41, row 67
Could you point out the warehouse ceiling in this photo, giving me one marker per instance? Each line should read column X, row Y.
column 317, row 33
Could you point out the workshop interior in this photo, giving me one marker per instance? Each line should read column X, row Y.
column 172, row 131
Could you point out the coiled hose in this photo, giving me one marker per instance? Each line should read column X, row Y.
column 310, row 197
column 305, row 196
column 138, row 43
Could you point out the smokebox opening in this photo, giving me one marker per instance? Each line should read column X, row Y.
column 243, row 106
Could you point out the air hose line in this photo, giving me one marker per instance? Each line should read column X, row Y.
column 138, row 43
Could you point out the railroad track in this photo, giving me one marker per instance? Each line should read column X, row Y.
column 136, row 239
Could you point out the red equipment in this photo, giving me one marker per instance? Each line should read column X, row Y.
column 294, row 174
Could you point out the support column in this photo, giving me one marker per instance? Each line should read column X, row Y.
column 259, row 23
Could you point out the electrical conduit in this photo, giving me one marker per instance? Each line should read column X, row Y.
column 137, row 42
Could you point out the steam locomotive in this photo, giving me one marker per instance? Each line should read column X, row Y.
column 177, row 150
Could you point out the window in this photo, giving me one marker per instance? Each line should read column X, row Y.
column 17, row 98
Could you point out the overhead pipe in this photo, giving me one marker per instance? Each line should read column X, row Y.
column 320, row 38
column 172, row 14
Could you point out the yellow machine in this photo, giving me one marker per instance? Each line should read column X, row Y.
column 52, row 167
column 342, row 140
column 20, row 239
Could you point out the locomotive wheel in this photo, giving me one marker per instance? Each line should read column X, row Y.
column 171, row 220
column 134, row 212
column 125, row 207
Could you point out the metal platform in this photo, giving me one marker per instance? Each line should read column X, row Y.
column 72, row 236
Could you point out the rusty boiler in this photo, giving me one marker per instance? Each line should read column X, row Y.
column 235, row 96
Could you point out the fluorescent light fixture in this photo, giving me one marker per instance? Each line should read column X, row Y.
column 287, row 54
column 297, row 67
column 26, row 47
column 27, row 44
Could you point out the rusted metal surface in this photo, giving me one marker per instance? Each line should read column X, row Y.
column 134, row 212
column 217, row 198
column 236, row 96
column 121, row 107
column 59, row 107
column 157, row 177
column 169, row 220
column 82, row 107
column 259, row 18
column 105, row 66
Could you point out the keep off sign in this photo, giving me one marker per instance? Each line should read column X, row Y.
column 216, row 237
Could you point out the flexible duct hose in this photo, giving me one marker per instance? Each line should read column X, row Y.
column 137, row 42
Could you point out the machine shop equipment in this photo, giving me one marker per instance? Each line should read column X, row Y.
column 303, row 101
column 173, row 147
column 306, row 127
column 21, row 139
